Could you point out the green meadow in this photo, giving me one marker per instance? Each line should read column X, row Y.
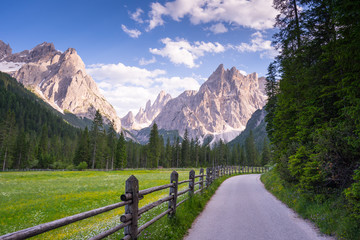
column 31, row 198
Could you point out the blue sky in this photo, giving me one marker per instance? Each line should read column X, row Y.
column 135, row 48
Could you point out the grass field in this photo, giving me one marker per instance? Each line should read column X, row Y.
column 31, row 198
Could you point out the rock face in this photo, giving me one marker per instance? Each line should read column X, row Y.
column 145, row 117
column 221, row 107
column 61, row 80
column 5, row 50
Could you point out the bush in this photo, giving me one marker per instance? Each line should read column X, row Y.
column 353, row 195
column 70, row 167
column 82, row 166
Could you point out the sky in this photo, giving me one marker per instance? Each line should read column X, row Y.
column 133, row 49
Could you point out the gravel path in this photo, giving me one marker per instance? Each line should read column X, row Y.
column 243, row 209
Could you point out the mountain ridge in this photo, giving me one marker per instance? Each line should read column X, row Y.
column 60, row 79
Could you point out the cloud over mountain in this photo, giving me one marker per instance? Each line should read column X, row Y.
column 256, row 14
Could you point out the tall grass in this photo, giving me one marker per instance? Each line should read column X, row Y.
column 329, row 213
column 31, row 198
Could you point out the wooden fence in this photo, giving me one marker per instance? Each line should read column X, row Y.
column 132, row 196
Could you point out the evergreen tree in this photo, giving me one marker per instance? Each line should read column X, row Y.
column 42, row 149
column 83, row 153
column 250, row 148
column 266, row 154
column 96, row 128
column 185, row 150
column 111, row 134
column 154, row 148
column 121, row 156
column 6, row 137
column 168, row 154
column 21, row 149
column 177, row 152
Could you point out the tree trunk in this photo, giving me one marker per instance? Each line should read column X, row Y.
column 93, row 158
column 297, row 24
column 4, row 165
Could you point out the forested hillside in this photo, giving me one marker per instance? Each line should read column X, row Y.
column 33, row 135
column 313, row 86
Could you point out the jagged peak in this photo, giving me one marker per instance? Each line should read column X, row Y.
column 129, row 115
column 70, row 51
column 148, row 105
column 220, row 68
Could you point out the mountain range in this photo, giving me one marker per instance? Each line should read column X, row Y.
column 220, row 109
column 59, row 78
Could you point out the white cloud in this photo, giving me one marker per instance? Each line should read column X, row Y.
column 181, row 51
column 258, row 44
column 243, row 72
column 218, row 28
column 256, row 14
column 134, row 33
column 144, row 62
column 128, row 88
column 113, row 73
column 136, row 16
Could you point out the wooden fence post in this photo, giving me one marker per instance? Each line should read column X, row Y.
column 192, row 182
column 174, row 178
column 201, row 179
column 132, row 187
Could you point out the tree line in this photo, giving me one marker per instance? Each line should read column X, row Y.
column 34, row 136
column 313, row 87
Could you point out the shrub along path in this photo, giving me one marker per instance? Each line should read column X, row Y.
column 242, row 208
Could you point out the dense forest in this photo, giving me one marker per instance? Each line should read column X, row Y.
column 35, row 136
column 313, row 119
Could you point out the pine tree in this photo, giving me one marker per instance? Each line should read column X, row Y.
column 266, row 154
column 251, row 153
column 121, row 156
column 185, row 150
column 96, row 128
column 168, row 154
column 154, row 148
column 42, row 149
column 83, row 153
column 6, row 135
column 111, row 134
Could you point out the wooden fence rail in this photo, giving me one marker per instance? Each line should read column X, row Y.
column 132, row 196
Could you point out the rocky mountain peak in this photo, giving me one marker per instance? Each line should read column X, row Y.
column 128, row 120
column 221, row 107
column 5, row 50
column 144, row 117
column 61, row 80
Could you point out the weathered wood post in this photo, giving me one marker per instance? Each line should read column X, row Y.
column 192, row 182
column 174, row 179
column 213, row 174
column 132, row 188
column 207, row 177
column 201, row 179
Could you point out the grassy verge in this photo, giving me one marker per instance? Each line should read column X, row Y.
column 176, row 227
column 31, row 198
column 329, row 213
